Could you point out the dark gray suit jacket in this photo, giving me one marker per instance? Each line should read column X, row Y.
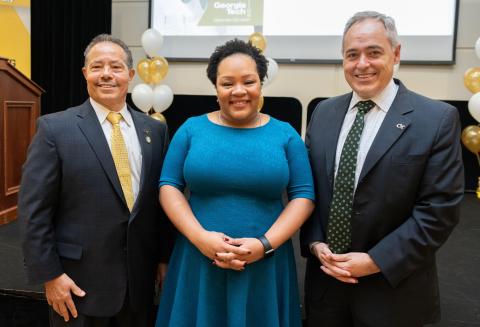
column 74, row 216
column 406, row 202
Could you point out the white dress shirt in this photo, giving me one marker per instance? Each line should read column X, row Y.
column 373, row 121
column 130, row 137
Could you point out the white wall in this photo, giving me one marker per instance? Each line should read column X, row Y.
column 306, row 82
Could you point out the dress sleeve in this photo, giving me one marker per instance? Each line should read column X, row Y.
column 300, row 184
column 172, row 171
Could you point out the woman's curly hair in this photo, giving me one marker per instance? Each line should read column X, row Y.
column 232, row 47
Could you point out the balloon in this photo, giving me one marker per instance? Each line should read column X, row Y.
column 471, row 78
column 143, row 70
column 471, row 138
column 258, row 40
column 478, row 189
column 477, row 48
column 162, row 98
column 260, row 103
column 158, row 116
column 158, row 69
column 142, row 97
column 152, row 42
column 271, row 72
column 474, row 106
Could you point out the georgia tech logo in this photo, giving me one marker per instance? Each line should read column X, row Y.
column 232, row 8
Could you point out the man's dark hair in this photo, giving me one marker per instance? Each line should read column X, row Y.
column 232, row 47
column 109, row 38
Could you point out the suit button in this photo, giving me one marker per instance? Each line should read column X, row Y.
column 124, row 249
column 357, row 213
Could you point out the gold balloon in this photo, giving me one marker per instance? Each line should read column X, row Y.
column 260, row 103
column 158, row 69
column 471, row 78
column 258, row 40
column 143, row 70
column 158, row 116
column 471, row 138
column 478, row 188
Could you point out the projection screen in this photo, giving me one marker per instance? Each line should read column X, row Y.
column 301, row 31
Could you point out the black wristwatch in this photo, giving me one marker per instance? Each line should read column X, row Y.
column 267, row 247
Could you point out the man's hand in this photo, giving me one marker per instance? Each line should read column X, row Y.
column 346, row 267
column 58, row 292
column 359, row 264
column 329, row 265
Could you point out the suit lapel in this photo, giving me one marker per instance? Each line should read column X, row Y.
column 333, row 131
column 145, row 138
column 91, row 128
column 393, row 126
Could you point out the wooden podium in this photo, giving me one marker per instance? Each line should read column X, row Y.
column 19, row 110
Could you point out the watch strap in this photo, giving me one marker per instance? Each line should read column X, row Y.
column 267, row 247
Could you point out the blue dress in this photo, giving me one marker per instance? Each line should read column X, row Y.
column 236, row 178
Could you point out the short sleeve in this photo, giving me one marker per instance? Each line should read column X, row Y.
column 172, row 171
column 301, row 181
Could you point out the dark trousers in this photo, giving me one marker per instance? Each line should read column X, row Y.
column 331, row 303
column 124, row 318
column 326, row 302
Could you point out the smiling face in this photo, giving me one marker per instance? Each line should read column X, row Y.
column 107, row 75
column 368, row 58
column 238, row 89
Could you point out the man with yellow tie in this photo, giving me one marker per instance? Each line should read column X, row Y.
column 93, row 231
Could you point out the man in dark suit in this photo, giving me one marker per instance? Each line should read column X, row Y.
column 389, row 180
column 93, row 230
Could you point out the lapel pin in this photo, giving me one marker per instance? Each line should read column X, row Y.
column 147, row 135
column 401, row 126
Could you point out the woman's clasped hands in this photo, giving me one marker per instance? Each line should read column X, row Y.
column 227, row 252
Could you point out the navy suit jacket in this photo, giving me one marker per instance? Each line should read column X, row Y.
column 406, row 203
column 74, row 216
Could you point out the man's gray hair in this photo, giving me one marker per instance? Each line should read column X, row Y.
column 109, row 38
column 387, row 21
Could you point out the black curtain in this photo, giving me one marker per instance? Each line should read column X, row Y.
column 60, row 31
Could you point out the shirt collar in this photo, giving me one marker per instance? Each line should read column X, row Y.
column 102, row 112
column 383, row 100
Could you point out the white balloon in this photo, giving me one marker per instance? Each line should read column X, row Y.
column 474, row 106
column 142, row 97
column 477, row 48
column 272, row 71
column 152, row 42
column 162, row 98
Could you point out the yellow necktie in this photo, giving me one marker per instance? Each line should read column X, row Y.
column 120, row 158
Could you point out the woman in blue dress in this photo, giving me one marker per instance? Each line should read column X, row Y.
column 233, row 263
